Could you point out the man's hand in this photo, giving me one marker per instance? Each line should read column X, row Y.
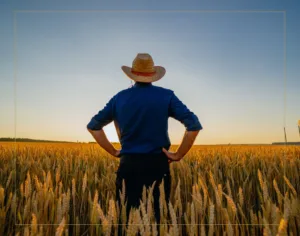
column 186, row 144
column 116, row 153
column 172, row 156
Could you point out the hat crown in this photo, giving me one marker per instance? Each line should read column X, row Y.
column 143, row 62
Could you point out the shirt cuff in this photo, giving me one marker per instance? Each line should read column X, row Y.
column 193, row 123
column 93, row 125
column 196, row 127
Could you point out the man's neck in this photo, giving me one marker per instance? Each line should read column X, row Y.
column 142, row 84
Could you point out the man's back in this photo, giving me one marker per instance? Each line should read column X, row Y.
column 141, row 117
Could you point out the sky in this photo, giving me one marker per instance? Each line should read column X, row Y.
column 61, row 62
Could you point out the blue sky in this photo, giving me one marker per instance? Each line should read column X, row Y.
column 227, row 67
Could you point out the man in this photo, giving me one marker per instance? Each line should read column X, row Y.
column 140, row 114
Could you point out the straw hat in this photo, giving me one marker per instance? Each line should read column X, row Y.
column 143, row 69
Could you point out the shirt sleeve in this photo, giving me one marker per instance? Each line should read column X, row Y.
column 104, row 116
column 180, row 112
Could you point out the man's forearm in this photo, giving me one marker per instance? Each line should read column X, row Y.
column 187, row 142
column 102, row 140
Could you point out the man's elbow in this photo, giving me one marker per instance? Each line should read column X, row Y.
column 93, row 126
column 89, row 128
column 93, row 130
column 194, row 132
column 195, row 128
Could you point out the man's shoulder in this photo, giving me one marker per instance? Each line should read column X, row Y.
column 158, row 90
column 162, row 89
column 123, row 91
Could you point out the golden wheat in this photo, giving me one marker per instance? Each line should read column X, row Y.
column 216, row 190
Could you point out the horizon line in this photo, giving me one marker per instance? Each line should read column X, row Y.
column 2, row 139
column 147, row 10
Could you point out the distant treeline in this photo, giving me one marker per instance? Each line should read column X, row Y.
column 41, row 140
column 53, row 141
column 288, row 143
column 111, row 142
column 31, row 140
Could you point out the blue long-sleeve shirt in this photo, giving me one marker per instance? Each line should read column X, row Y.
column 141, row 117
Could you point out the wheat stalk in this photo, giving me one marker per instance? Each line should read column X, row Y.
column 60, row 228
column 33, row 225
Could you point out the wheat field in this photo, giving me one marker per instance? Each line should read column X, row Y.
column 69, row 189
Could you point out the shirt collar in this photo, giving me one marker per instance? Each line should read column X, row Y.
column 141, row 84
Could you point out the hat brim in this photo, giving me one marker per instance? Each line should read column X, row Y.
column 159, row 73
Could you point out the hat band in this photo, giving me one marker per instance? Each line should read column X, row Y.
column 143, row 73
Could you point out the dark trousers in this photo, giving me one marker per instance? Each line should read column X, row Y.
column 139, row 170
